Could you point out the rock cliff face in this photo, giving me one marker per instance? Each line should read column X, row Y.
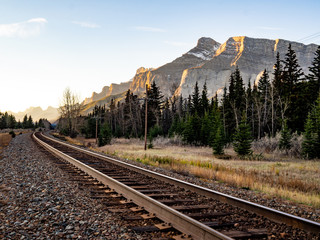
column 114, row 89
column 210, row 62
column 169, row 75
column 251, row 55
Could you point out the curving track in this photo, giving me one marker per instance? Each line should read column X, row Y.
column 193, row 210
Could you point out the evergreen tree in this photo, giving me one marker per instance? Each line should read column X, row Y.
column 311, row 142
column 217, row 137
column 314, row 76
column 195, row 103
column 292, row 71
column 294, row 92
column 218, row 143
column 30, row 122
column 105, row 135
column 25, row 121
column 285, row 139
column 204, row 102
column 242, row 138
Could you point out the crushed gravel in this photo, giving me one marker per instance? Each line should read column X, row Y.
column 37, row 201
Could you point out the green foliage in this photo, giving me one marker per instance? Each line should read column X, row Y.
column 242, row 138
column 105, row 135
column 285, row 139
column 311, row 141
column 218, row 142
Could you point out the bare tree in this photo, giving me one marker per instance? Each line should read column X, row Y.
column 69, row 109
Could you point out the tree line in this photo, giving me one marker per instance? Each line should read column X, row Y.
column 9, row 121
column 283, row 100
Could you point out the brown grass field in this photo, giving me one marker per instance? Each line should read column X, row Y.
column 292, row 179
column 274, row 174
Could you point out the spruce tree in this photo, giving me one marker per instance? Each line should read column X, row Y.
column 195, row 100
column 314, row 76
column 309, row 150
column 242, row 138
column 285, row 139
column 311, row 142
column 105, row 135
column 218, row 143
column 204, row 102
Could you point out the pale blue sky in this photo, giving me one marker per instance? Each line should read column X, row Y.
column 46, row 46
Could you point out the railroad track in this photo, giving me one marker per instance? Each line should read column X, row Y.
column 195, row 212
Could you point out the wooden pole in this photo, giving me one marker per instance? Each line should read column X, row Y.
column 146, row 120
column 96, row 130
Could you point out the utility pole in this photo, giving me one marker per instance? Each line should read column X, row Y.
column 146, row 120
column 97, row 130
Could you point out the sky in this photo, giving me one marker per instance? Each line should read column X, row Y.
column 47, row 46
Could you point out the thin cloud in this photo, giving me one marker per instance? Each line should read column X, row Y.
column 31, row 27
column 270, row 28
column 149, row 29
column 86, row 24
column 177, row 44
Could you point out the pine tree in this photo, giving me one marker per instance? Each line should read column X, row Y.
column 217, row 138
column 310, row 137
column 294, row 92
column 105, row 135
column 285, row 139
column 25, row 122
column 218, row 143
column 243, row 138
column 204, row 102
column 195, row 100
column 292, row 71
column 314, row 76
column 311, row 142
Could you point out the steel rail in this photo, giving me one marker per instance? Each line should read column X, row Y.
column 272, row 214
column 177, row 220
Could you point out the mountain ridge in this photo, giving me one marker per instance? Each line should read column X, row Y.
column 213, row 62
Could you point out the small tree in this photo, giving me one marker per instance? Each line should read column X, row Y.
column 285, row 139
column 105, row 135
column 311, row 141
column 242, row 138
column 218, row 142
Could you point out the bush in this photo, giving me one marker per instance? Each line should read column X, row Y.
column 12, row 133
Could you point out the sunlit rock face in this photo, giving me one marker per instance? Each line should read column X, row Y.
column 168, row 76
column 113, row 89
column 251, row 56
column 211, row 62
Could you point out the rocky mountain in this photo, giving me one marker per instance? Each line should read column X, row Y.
column 51, row 114
column 113, row 89
column 251, row 56
column 212, row 62
column 169, row 75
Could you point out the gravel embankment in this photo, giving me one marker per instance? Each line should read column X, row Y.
column 37, row 201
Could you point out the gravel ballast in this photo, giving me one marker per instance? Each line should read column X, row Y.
column 38, row 201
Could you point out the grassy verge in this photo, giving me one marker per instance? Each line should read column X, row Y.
column 5, row 139
column 292, row 179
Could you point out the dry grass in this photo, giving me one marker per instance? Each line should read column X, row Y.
column 5, row 139
column 294, row 179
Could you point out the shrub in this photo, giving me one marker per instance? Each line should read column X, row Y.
column 12, row 133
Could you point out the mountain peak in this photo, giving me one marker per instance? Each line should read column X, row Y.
column 205, row 49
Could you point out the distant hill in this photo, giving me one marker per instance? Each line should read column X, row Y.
column 51, row 114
